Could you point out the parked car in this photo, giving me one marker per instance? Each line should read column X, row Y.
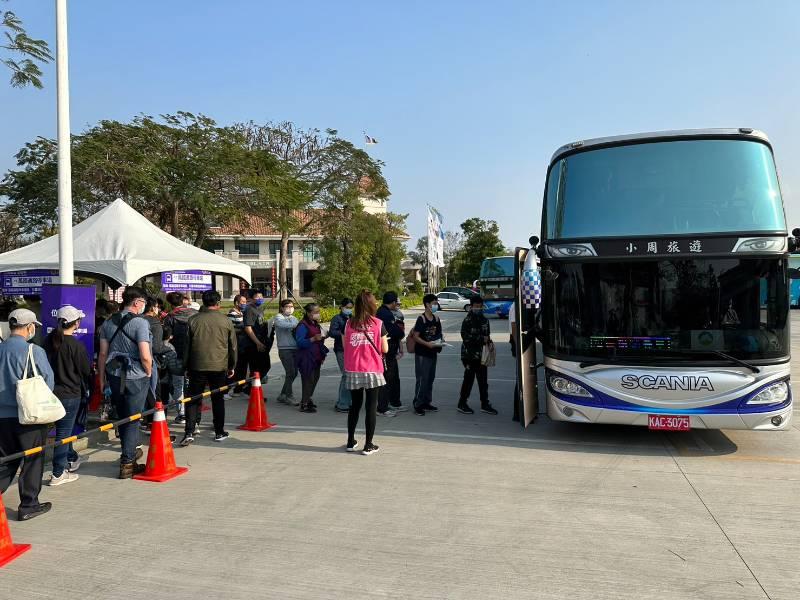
column 463, row 291
column 451, row 300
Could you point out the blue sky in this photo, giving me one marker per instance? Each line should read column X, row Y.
column 468, row 99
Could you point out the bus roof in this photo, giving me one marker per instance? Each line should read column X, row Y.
column 619, row 140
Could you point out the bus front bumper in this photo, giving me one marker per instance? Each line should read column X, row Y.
column 559, row 410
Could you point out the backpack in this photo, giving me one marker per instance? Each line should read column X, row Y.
column 180, row 333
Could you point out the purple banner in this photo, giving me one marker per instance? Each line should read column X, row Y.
column 81, row 297
column 19, row 283
column 186, row 281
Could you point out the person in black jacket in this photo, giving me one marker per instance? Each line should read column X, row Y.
column 71, row 367
column 389, row 403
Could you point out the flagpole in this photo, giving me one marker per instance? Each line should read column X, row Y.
column 65, row 250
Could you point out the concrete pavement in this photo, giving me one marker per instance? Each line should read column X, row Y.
column 453, row 506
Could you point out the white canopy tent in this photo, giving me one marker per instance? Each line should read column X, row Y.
column 119, row 244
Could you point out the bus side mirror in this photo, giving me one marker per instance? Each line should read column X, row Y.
column 534, row 241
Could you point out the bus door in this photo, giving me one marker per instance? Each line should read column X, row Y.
column 527, row 301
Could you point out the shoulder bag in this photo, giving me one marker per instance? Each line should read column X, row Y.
column 36, row 403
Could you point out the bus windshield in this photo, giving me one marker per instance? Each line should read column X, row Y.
column 496, row 281
column 661, row 188
column 668, row 308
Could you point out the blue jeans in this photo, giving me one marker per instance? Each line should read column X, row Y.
column 345, row 397
column 64, row 427
column 425, row 370
column 128, row 402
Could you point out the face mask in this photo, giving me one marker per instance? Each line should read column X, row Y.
column 347, row 312
column 434, row 308
column 259, row 301
column 315, row 317
column 288, row 311
column 28, row 338
column 242, row 306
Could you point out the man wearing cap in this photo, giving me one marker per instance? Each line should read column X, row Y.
column 126, row 352
column 13, row 436
column 389, row 403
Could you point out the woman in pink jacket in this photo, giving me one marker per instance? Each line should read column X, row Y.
column 365, row 342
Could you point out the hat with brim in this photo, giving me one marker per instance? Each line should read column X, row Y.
column 69, row 313
column 22, row 316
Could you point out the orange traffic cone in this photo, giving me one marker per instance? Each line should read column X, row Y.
column 8, row 549
column 256, row 411
column 160, row 458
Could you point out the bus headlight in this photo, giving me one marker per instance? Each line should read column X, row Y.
column 562, row 385
column 777, row 393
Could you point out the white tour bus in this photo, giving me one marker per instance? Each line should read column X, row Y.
column 662, row 294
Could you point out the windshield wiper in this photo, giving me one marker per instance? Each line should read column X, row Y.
column 656, row 358
column 727, row 357
column 617, row 359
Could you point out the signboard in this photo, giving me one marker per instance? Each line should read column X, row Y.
column 81, row 297
column 186, row 281
column 20, row 283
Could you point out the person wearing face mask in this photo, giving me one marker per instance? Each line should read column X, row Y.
column 284, row 325
column 428, row 340
column 258, row 337
column 126, row 353
column 13, row 436
column 475, row 335
column 311, row 353
column 72, row 369
column 236, row 316
column 338, row 324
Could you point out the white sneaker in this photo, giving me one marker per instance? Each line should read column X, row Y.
column 73, row 465
column 66, row 477
column 388, row 413
column 229, row 396
column 401, row 408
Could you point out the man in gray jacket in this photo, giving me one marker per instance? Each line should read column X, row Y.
column 284, row 324
column 210, row 358
column 13, row 436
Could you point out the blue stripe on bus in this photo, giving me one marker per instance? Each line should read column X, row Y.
column 730, row 407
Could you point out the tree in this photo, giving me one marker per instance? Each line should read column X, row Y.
column 367, row 255
column 183, row 172
column 481, row 240
column 301, row 150
column 10, row 238
column 420, row 256
column 24, row 71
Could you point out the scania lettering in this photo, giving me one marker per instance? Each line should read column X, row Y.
column 661, row 297
column 655, row 382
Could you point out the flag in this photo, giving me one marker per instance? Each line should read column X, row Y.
column 435, row 238
column 369, row 140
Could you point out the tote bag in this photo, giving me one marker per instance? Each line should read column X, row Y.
column 488, row 356
column 36, row 403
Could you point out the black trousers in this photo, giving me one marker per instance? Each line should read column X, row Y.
column 473, row 370
column 390, row 393
column 16, row 438
column 371, row 413
column 309, row 381
column 198, row 382
column 240, row 371
column 258, row 362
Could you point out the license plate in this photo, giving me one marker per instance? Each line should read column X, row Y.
column 668, row 423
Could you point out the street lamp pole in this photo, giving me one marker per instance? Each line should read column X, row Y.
column 65, row 252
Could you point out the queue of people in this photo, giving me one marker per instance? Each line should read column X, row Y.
column 149, row 352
